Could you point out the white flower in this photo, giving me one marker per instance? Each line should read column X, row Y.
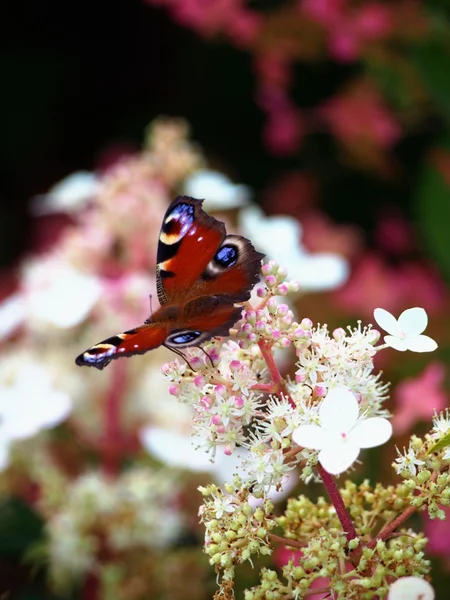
column 217, row 190
column 408, row 462
column 69, row 195
column 28, row 402
column 280, row 239
column 411, row 588
column 405, row 333
column 53, row 293
column 341, row 434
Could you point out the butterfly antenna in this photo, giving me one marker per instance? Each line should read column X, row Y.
column 182, row 356
column 151, row 307
column 209, row 358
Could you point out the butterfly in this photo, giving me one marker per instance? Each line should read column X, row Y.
column 201, row 273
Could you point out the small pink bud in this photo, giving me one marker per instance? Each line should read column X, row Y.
column 253, row 338
column 199, row 381
column 247, row 328
column 306, row 323
column 287, row 320
column 299, row 377
column 283, row 289
column 250, row 316
column 197, row 363
column 285, row 342
column 206, row 401
column 320, row 391
column 238, row 402
column 261, row 292
column 216, row 420
column 266, row 269
column 174, row 389
column 272, row 305
column 260, row 326
column 220, row 429
column 220, row 389
column 235, row 365
column 214, row 354
column 271, row 280
column 276, row 334
column 339, row 333
column 282, row 310
column 227, row 451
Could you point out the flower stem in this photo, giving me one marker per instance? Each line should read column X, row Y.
column 333, row 492
column 112, row 441
column 285, row 541
column 388, row 529
column 278, row 381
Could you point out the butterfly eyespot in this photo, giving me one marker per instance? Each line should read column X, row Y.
column 183, row 339
column 226, row 256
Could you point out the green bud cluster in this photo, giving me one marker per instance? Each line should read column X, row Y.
column 235, row 530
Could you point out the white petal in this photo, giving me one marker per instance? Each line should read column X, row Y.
column 411, row 588
column 12, row 314
column 396, row 343
column 219, row 191
column 33, row 411
column 175, row 449
column 421, row 343
column 413, row 321
column 338, row 458
column 310, row 436
column 386, row 321
column 264, row 230
column 339, row 411
column 70, row 194
column 372, row 432
column 314, row 272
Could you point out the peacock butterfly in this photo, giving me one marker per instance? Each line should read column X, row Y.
column 201, row 273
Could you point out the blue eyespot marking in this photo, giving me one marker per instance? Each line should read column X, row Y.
column 185, row 338
column 226, row 256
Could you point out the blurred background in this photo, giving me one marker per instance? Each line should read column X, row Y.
column 334, row 113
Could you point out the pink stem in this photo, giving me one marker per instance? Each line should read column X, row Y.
column 112, row 441
column 388, row 529
column 330, row 485
column 278, row 381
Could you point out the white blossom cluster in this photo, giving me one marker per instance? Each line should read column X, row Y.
column 331, row 410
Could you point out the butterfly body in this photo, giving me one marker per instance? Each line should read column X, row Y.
column 201, row 273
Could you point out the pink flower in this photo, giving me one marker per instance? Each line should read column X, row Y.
column 326, row 12
column 376, row 283
column 417, row 398
column 283, row 131
column 373, row 21
column 359, row 115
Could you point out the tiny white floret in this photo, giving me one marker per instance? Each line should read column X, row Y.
column 342, row 432
column 406, row 331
